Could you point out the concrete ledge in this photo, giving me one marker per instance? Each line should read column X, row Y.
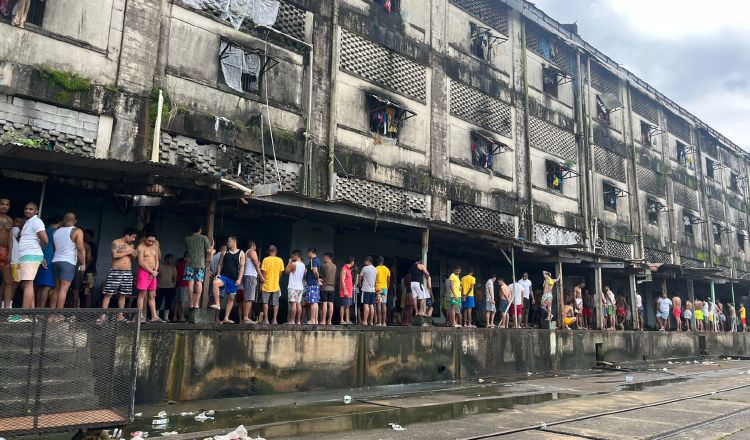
column 203, row 361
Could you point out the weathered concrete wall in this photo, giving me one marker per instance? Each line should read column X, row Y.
column 190, row 363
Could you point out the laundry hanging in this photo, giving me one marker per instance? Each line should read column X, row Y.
column 261, row 12
column 235, row 62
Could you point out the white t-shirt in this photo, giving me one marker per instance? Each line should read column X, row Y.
column 705, row 309
column 295, row 278
column 29, row 244
column 526, row 287
column 664, row 304
column 517, row 292
column 489, row 291
column 369, row 273
column 638, row 300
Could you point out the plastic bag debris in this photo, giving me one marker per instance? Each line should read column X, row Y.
column 629, row 379
column 210, row 412
column 347, row 399
column 543, row 426
column 240, row 433
column 138, row 435
column 480, row 380
column 185, row 414
column 162, row 414
column 202, row 417
column 159, row 422
column 670, row 362
column 664, row 369
column 138, row 415
column 396, row 427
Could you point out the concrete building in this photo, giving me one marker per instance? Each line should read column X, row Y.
column 476, row 132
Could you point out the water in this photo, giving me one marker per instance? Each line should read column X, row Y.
column 322, row 417
column 640, row 386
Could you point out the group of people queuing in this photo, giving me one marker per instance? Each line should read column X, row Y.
column 51, row 262
column 709, row 316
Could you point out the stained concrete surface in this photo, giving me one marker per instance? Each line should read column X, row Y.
column 463, row 410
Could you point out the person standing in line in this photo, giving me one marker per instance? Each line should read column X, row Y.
column 677, row 312
column 505, row 299
column 149, row 258
column 367, row 283
column 687, row 315
column 33, row 239
column 6, row 251
column 662, row 315
column 166, row 287
column 732, row 318
column 706, row 307
column 454, row 308
column 547, row 285
column 698, row 315
column 271, row 268
column 578, row 310
column 228, row 278
column 120, row 277
column 198, row 248
column 743, row 318
column 346, row 291
column 468, row 282
column 295, row 268
column 382, row 281
column 44, row 283
column 250, row 283
column 528, row 298
column 69, row 257
column 89, row 276
column 420, row 286
column 183, row 297
column 489, row 301
column 328, row 274
column 639, row 307
column 611, row 311
column 313, row 281
column 517, row 309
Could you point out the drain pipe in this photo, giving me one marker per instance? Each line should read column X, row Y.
column 332, row 101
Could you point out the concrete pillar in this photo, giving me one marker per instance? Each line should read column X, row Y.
column 691, row 298
column 633, row 306
column 560, row 293
column 210, row 216
column 598, row 297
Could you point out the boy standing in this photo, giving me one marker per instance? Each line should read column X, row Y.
column 328, row 274
column 228, row 277
column 454, row 308
column 346, row 291
column 367, row 279
column 382, row 281
column 312, row 289
column 271, row 269
column 467, row 304
column 296, row 270
column 489, row 301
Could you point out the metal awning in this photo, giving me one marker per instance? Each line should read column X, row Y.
column 497, row 146
column 609, row 102
column 43, row 162
column 388, row 103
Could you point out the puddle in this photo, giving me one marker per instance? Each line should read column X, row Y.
column 300, row 420
column 640, row 386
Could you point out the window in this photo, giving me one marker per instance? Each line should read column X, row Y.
column 385, row 117
column 606, row 103
column 481, row 42
column 653, row 207
column 717, row 230
column 647, row 134
column 389, row 5
column 688, row 220
column 610, row 193
column 550, row 80
column 242, row 69
column 602, row 115
column 741, row 241
column 710, row 169
column 734, row 182
column 554, row 176
column 683, row 157
column 484, row 149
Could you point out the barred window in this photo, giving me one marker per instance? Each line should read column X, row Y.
column 550, row 81
column 734, row 182
column 741, row 241
column 688, row 220
column 554, row 176
column 717, row 230
column 710, row 169
column 652, row 207
column 609, row 192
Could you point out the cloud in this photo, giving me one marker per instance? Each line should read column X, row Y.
column 698, row 56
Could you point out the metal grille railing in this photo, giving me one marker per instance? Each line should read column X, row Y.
column 62, row 369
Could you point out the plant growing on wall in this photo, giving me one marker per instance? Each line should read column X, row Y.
column 68, row 82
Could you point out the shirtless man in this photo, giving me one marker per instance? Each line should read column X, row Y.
column 505, row 295
column 547, row 285
column 677, row 312
column 148, row 268
column 6, row 248
column 578, row 300
column 568, row 317
column 120, row 278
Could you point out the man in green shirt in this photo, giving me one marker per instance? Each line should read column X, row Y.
column 198, row 249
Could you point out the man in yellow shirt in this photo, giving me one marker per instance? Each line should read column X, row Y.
column 382, row 281
column 272, row 267
column 467, row 303
column 743, row 317
column 454, row 306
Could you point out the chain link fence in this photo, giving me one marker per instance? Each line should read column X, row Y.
column 65, row 369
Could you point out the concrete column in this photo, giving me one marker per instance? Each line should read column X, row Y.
column 210, row 216
column 560, row 293
column 598, row 296
column 691, row 298
column 633, row 307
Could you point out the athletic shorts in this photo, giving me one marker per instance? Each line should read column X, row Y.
column 194, row 274
column 503, row 305
column 183, row 294
column 519, row 309
column 346, row 302
column 610, row 311
column 45, row 277
column 489, row 306
column 468, row 302
column 312, row 293
column 295, row 295
column 249, row 287
column 118, row 282
column 418, row 292
column 15, row 272
column 568, row 320
column 62, row 270
column 4, row 256
column 229, row 287
column 662, row 315
column 270, row 298
column 327, row 295
column 587, row 312
column 368, row 298
column 145, row 281
column 29, row 266
column 383, row 295
column 677, row 312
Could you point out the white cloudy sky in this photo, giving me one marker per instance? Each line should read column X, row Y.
column 696, row 53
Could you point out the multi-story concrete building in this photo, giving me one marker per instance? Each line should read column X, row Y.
column 462, row 128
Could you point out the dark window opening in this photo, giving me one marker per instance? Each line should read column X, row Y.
column 688, row 220
column 481, row 42
column 389, row 5
column 34, row 14
column 647, row 134
column 554, row 176
column 602, row 115
column 610, row 193
column 484, row 149
column 242, row 69
column 734, row 182
column 710, row 169
column 550, row 81
column 741, row 241
column 717, row 230
column 682, row 155
column 605, row 104
column 385, row 117
column 653, row 207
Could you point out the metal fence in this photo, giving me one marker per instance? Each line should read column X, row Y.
column 63, row 369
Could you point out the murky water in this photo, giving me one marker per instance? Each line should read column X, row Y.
column 640, row 386
column 298, row 420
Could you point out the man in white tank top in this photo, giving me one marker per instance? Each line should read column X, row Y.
column 69, row 256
